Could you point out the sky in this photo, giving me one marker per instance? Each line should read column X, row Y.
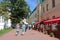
column 32, row 4
column 0, row 0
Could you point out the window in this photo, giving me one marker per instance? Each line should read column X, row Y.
column 47, row 7
column 53, row 16
column 47, row 18
column 53, row 3
column 43, row 9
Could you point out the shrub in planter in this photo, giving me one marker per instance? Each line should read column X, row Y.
column 45, row 32
column 52, row 34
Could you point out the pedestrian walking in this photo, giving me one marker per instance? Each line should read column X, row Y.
column 17, row 29
column 23, row 28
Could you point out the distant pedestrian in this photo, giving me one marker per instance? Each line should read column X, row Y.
column 27, row 27
column 33, row 27
column 30, row 27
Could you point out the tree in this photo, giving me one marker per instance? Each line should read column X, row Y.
column 19, row 9
column 3, row 11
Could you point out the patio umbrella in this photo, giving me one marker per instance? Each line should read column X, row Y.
column 32, row 22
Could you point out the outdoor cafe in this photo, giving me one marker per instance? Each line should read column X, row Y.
column 50, row 27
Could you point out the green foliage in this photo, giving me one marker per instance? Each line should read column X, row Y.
column 3, row 9
column 4, row 5
column 19, row 9
column 5, row 17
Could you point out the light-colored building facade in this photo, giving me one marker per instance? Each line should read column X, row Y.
column 4, row 24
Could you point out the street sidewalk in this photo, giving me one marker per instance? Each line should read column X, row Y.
column 29, row 35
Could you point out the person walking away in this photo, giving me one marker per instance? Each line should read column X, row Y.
column 30, row 26
column 33, row 27
column 17, row 29
column 27, row 27
column 23, row 28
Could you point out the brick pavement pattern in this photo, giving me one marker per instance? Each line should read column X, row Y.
column 29, row 35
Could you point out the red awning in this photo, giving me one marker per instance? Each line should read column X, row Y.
column 36, row 23
column 52, row 20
